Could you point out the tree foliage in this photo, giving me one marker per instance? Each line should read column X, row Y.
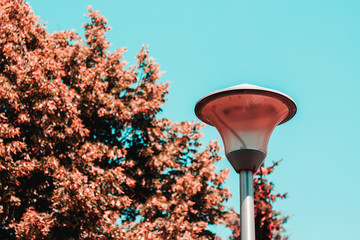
column 82, row 152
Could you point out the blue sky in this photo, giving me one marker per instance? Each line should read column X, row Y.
column 310, row 50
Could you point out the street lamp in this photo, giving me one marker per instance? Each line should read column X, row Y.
column 245, row 116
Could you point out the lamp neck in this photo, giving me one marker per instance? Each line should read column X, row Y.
column 246, row 159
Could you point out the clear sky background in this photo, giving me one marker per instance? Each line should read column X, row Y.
column 309, row 49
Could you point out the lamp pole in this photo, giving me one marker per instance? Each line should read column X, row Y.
column 245, row 116
column 247, row 218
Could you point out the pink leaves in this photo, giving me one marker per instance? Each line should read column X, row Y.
column 87, row 122
column 95, row 31
column 33, row 224
column 8, row 131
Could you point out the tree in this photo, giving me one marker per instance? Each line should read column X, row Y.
column 268, row 222
column 82, row 152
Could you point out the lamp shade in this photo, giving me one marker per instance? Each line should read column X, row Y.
column 245, row 116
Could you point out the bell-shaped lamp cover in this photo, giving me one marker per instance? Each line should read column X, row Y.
column 245, row 116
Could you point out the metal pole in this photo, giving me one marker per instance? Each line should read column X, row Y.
column 247, row 219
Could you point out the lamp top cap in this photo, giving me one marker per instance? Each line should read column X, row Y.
column 246, row 89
